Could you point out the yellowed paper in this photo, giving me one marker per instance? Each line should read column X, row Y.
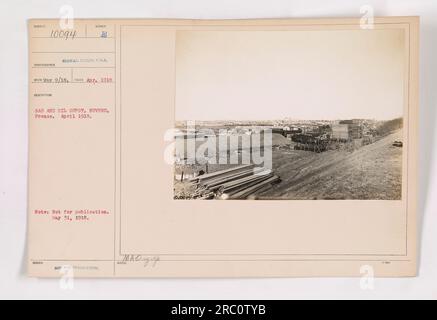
column 116, row 191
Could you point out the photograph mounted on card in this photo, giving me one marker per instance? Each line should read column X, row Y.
column 223, row 148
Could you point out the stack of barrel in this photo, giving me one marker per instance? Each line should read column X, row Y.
column 238, row 182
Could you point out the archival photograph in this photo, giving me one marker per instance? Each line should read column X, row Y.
column 289, row 115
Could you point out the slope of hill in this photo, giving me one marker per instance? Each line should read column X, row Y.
column 370, row 172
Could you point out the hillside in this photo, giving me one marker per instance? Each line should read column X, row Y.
column 370, row 172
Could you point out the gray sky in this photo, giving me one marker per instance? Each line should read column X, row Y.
column 256, row 75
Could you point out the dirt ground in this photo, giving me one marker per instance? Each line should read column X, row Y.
column 373, row 172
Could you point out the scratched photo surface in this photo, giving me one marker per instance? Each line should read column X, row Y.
column 289, row 115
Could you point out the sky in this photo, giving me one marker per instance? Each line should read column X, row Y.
column 313, row 75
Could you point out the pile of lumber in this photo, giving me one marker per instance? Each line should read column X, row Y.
column 236, row 183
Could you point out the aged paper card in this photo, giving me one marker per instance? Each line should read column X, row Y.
column 227, row 148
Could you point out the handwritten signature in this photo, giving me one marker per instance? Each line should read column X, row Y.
column 148, row 261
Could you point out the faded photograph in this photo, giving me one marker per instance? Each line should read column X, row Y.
column 289, row 115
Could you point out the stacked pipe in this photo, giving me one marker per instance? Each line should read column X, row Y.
column 235, row 183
